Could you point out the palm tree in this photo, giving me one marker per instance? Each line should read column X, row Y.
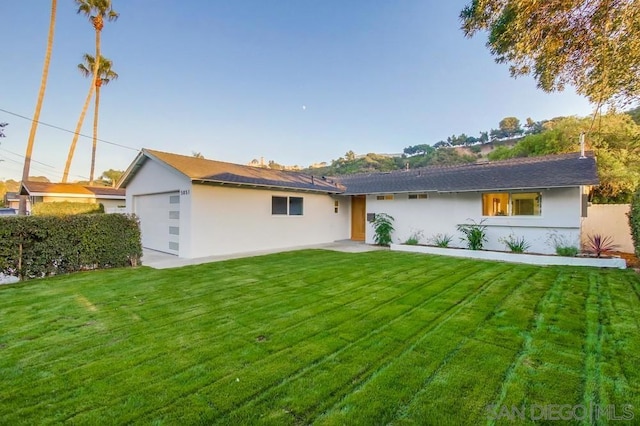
column 36, row 114
column 105, row 75
column 96, row 11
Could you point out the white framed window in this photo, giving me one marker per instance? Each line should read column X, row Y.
column 385, row 197
column 287, row 206
column 512, row 204
column 418, row 196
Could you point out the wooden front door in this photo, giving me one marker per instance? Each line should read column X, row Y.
column 358, row 217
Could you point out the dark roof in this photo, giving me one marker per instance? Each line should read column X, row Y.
column 201, row 170
column 552, row 171
column 41, row 188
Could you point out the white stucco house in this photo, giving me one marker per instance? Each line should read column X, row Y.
column 194, row 207
column 51, row 192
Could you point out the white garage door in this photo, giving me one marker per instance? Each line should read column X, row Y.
column 159, row 220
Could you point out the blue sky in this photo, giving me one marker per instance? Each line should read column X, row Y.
column 229, row 79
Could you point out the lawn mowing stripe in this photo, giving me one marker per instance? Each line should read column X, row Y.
column 339, row 349
column 530, row 380
column 510, row 375
column 143, row 362
column 431, row 377
column 620, row 384
column 593, row 344
column 362, row 373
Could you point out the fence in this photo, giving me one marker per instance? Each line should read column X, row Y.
column 609, row 220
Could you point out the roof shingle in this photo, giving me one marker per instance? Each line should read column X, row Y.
column 550, row 171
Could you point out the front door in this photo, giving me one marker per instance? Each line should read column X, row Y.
column 358, row 217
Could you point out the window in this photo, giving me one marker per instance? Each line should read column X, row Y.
column 384, row 197
column 336, row 204
column 291, row 206
column 512, row 204
column 279, row 205
column 295, row 206
column 418, row 196
column 174, row 199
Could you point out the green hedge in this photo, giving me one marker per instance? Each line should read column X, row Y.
column 634, row 221
column 39, row 246
column 63, row 208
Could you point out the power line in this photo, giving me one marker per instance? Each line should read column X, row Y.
column 69, row 131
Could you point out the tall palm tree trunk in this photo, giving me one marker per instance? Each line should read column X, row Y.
column 74, row 142
column 98, row 24
column 36, row 114
column 96, row 111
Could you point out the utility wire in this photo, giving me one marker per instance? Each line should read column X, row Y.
column 69, row 131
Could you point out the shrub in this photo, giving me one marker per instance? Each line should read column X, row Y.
column 569, row 251
column 63, row 208
column 383, row 226
column 39, row 246
column 415, row 238
column 634, row 221
column 442, row 240
column 515, row 244
column 599, row 245
column 475, row 234
column 562, row 245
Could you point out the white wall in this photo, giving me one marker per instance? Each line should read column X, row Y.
column 154, row 178
column 228, row 220
column 609, row 220
column 440, row 213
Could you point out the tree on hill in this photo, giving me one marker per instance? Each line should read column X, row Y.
column 600, row 58
column 111, row 176
column 635, row 114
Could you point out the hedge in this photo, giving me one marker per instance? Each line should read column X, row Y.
column 63, row 208
column 634, row 221
column 39, row 246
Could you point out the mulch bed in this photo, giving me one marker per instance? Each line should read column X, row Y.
column 632, row 260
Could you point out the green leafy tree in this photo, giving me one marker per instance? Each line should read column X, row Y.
column 111, row 176
column 97, row 11
column 593, row 46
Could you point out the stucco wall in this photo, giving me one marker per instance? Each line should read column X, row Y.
column 229, row 220
column 440, row 213
column 609, row 220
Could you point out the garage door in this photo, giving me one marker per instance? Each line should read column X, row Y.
column 159, row 221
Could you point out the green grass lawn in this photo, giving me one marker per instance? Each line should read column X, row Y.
column 318, row 336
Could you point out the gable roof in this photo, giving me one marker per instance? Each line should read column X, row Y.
column 71, row 190
column 552, row 171
column 201, row 170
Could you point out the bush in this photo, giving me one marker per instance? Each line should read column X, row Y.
column 475, row 234
column 634, row 221
column 515, row 244
column 64, row 208
column 600, row 244
column 441, row 240
column 39, row 246
column 415, row 238
column 569, row 251
column 383, row 226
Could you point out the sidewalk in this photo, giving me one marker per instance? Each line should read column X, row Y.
column 159, row 260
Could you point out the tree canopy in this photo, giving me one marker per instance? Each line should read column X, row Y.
column 593, row 46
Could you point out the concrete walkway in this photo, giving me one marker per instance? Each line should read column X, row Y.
column 159, row 260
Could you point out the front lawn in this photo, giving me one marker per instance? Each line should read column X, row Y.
column 319, row 336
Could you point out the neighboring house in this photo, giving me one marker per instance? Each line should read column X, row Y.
column 46, row 192
column 195, row 207
column 12, row 200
